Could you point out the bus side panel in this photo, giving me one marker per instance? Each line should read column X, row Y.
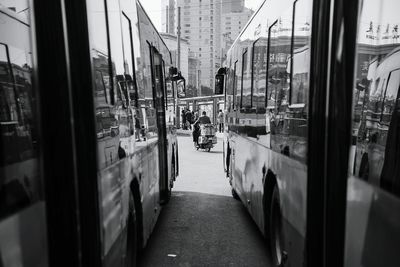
column 250, row 166
column 18, row 251
column 370, row 221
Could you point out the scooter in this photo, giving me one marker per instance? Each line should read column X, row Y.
column 207, row 138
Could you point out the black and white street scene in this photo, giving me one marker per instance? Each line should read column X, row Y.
column 191, row 133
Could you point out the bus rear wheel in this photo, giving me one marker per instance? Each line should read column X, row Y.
column 132, row 238
column 277, row 244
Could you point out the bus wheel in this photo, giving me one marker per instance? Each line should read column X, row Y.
column 132, row 238
column 235, row 194
column 278, row 251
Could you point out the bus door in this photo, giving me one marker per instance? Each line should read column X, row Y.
column 158, row 96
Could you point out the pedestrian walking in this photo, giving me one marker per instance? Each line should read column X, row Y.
column 220, row 120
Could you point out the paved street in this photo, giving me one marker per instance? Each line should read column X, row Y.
column 203, row 225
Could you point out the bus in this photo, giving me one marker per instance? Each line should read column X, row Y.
column 311, row 131
column 88, row 144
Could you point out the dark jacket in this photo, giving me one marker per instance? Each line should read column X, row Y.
column 188, row 116
column 203, row 120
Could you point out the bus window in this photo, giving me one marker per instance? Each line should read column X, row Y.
column 22, row 207
column 259, row 72
column 245, row 94
column 299, row 68
column 279, row 83
column 373, row 193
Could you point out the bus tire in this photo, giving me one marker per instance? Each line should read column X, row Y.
column 132, row 236
column 277, row 241
column 235, row 194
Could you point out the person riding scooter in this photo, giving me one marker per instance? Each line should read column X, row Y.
column 204, row 119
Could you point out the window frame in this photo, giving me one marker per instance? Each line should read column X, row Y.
column 384, row 94
column 268, row 61
column 292, row 52
column 234, row 104
column 241, row 84
column 252, row 72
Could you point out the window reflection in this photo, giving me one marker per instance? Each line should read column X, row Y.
column 19, row 166
column 259, row 72
column 375, row 123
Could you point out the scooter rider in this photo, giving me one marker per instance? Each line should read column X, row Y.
column 204, row 119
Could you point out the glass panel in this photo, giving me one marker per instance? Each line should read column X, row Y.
column 20, row 177
column 259, row 72
column 374, row 167
column 279, row 84
column 246, row 80
column 299, row 64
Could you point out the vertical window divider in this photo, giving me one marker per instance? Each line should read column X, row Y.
column 292, row 53
column 234, row 85
column 252, row 72
column 268, row 61
column 241, row 84
column 133, row 60
column 110, row 65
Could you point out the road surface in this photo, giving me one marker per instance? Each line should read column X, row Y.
column 203, row 225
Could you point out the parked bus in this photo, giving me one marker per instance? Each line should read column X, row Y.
column 88, row 145
column 295, row 80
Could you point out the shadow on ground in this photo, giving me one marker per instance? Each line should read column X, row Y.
column 199, row 229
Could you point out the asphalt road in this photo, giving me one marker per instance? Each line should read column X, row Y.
column 203, row 225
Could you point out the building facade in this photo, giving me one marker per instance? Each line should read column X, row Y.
column 204, row 23
column 232, row 24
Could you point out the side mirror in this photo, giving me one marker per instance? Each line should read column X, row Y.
column 219, row 84
column 363, row 84
column 181, row 88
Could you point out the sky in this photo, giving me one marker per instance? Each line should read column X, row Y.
column 153, row 9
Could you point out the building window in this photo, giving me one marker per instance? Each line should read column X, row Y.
column 187, row 31
column 228, row 18
column 199, row 18
column 199, row 48
column 187, row 25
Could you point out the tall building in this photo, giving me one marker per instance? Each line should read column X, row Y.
column 168, row 16
column 232, row 23
column 203, row 23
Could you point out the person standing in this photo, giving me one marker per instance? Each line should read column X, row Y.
column 189, row 119
column 183, row 119
column 220, row 120
column 196, row 115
